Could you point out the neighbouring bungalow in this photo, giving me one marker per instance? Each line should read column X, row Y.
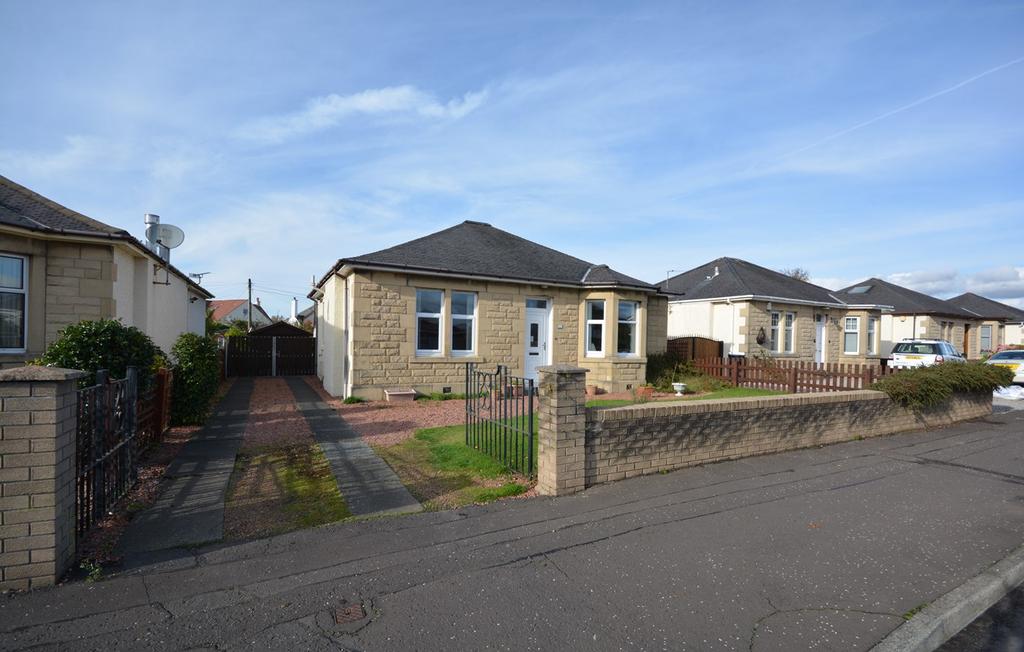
column 1001, row 325
column 230, row 311
column 412, row 316
column 917, row 315
column 757, row 311
column 59, row 267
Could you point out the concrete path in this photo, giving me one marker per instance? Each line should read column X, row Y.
column 368, row 484
column 823, row 548
column 190, row 509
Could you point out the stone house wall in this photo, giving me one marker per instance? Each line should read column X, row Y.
column 754, row 315
column 68, row 282
column 382, row 314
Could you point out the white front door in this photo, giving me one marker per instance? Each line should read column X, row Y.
column 538, row 352
column 819, row 338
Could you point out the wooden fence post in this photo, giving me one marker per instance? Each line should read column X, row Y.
column 792, row 379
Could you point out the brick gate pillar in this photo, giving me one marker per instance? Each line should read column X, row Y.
column 561, row 448
column 37, row 475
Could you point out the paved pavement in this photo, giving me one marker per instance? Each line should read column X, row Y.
column 368, row 484
column 190, row 509
column 823, row 548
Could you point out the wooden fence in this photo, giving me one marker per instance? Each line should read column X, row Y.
column 695, row 348
column 793, row 376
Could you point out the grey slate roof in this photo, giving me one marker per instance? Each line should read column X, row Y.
column 479, row 249
column 732, row 277
column 26, row 209
column 987, row 308
column 904, row 300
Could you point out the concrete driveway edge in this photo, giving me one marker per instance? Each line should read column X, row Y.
column 942, row 619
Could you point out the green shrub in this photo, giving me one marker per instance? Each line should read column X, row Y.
column 928, row 386
column 352, row 400
column 104, row 344
column 196, row 378
column 663, row 369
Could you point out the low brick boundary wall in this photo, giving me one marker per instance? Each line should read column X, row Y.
column 624, row 442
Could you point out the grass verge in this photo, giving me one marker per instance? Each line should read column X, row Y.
column 443, row 473
column 279, row 490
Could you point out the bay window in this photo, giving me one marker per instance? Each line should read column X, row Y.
column 428, row 321
column 595, row 327
column 463, row 321
column 628, row 313
column 13, row 302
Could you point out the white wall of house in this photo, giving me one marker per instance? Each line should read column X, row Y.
column 161, row 311
column 331, row 336
column 689, row 318
column 1013, row 334
column 124, row 286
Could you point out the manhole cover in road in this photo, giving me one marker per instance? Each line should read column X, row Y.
column 349, row 613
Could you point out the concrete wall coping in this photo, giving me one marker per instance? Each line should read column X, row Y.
column 563, row 369
column 676, row 408
column 35, row 373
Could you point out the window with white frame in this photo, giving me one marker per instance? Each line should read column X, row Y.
column 595, row 327
column 13, row 302
column 773, row 336
column 787, row 337
column 872, row 334
column 428, row 321
column 985, row 335
column 463, row 321
column 851, row 335
column 629, row 312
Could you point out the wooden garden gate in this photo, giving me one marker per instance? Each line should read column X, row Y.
column 269, row 355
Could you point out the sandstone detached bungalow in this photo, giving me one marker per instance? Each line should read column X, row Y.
column 411, row 316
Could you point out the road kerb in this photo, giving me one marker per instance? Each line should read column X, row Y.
column 942, row 619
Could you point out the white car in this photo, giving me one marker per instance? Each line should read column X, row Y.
column 1012, row 360
column 923, row 353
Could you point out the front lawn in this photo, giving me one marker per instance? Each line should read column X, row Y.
column 443, row 473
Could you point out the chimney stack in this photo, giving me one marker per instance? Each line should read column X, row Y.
column 295, row 312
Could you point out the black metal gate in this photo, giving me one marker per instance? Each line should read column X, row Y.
column 269, row 355
column 106, row 446
column 499, row 417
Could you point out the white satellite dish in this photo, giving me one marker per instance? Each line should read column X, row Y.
column 166, row 235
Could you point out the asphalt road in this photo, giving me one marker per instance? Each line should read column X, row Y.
column 1000, row 629
column 818, row 549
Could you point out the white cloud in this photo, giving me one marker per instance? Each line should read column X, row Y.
column 327, row 111
column 998, row 283
column 934, row 282
column 77, row 153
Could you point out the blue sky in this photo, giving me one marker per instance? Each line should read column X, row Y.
column 852, row 139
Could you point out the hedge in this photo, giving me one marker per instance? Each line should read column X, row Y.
column 103, row 344
column 196, row 379
column 928, row 386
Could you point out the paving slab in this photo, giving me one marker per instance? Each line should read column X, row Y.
column 368, row 484
column 190, row 509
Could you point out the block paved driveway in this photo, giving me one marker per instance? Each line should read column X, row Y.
column 823, row 548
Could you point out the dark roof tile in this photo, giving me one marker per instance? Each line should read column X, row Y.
column 479, row 249
column 731, row 277
column 987, row 308
column 904, row 300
